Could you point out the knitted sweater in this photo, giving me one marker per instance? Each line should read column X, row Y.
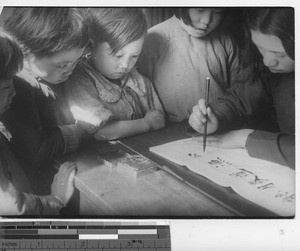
column 40, row 124
column 15, row 191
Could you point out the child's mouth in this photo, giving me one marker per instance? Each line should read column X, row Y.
column 201, row 30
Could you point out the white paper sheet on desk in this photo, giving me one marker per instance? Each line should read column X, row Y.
column 267, row 184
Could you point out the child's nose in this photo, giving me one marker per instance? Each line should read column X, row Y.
column 206, row 17
column 12, row 91
column 124, row 64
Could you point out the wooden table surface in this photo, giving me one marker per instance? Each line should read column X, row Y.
column 109, row 191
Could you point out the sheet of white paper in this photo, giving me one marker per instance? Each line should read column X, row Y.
column 265, row 183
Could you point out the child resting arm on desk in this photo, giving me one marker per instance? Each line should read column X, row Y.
column 272, row 32
column 106, row 87
column 42, row 127
column 15, row 190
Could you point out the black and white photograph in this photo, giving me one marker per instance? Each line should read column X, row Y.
column 148, row 112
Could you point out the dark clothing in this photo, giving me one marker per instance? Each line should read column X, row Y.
column 15, row 191
column 268, row 106
column 38, row 127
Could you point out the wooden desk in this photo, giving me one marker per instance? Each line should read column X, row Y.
column 109, row 192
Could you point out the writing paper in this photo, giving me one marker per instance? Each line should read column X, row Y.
column 267, row 184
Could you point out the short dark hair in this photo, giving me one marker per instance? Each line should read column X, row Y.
column 46, row 31
column 11, row 56
column 183, row 14
column 117, row 26
column 277, row 21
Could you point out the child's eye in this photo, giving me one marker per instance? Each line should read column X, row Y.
column 219, row 12
column 62, row 66
column 135, row 56
column 118, row 56
column 200, row 12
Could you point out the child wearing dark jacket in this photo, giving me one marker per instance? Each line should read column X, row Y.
column 42, row 128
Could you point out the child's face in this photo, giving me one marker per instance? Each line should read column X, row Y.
column 118, row 65
column 7, row 92
column 205, row 20
column 56, row 68
column 273, row 52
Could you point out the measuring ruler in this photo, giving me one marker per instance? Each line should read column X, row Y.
column 79, row 235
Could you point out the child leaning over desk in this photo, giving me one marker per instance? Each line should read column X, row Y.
column 105, row 90
column 181, row 52
column 16, row 195
column 272, row 98
column 52, row 40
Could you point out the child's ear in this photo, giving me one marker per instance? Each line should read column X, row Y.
column 89, row 48
column 29, row 57
column 91, row 45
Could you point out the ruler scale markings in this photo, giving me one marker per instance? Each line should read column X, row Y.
column 93, row 244
column 104, row 244
column 88, row 236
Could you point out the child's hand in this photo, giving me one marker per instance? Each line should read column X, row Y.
column 155, row 119
column 63, row 182
column 233, row 139
column 198, row 118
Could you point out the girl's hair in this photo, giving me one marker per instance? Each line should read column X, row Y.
column 274, row 21
column 46, row 31
column 183, row 14
column 117, row 26
column 11, row 57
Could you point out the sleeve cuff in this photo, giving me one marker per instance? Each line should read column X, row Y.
column 51, row 205
column 72, row 135
column 275, row 147
column 60, row 200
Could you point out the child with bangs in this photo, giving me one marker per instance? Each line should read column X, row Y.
column 106, row 93
column 42, row 127
column 16, row 195
column 181, row 52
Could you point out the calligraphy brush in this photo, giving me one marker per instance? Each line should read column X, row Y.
column 206, row 104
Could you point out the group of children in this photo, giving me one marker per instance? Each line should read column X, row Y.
column 263, row 108
column 97, row 72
